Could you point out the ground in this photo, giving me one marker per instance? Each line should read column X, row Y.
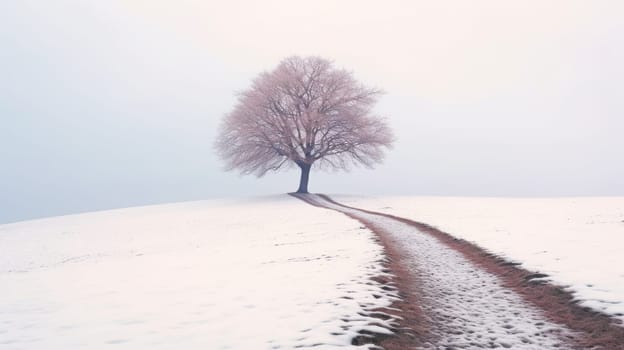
column 274, row 273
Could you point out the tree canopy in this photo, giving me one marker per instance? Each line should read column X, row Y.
column 305, row 112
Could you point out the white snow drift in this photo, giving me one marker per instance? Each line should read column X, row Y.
column 579, row 242
column 270, row 273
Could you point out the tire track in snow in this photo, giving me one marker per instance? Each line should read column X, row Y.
column 461, row 306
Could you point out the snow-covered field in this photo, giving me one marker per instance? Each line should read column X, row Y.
column 579, row 242
column 269, row 273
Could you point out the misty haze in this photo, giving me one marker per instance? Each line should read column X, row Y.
column 329, row 174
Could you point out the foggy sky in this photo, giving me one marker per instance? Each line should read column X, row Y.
column 107, row 104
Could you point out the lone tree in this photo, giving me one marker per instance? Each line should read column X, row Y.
column 305, row 112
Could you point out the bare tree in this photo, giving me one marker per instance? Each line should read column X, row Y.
column 302, row 113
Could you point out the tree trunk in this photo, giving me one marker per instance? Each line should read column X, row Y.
column 305, row 176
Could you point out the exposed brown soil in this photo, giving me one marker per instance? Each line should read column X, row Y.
column 594, row 330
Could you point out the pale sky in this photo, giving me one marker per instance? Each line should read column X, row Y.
column 107, row 104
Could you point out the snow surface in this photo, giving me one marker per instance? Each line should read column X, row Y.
column 271, row 273
column 578, row 242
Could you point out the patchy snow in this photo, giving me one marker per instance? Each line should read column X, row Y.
column 578, row 242
column 468, row 307
column 271, row 273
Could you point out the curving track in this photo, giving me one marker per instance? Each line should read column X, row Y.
column 462, row 305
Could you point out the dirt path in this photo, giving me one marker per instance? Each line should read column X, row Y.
column 456, row 296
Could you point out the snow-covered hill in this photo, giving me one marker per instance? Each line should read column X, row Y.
column 578, row 242
column 263, row 273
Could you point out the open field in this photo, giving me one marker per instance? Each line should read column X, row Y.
column 277, row 273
